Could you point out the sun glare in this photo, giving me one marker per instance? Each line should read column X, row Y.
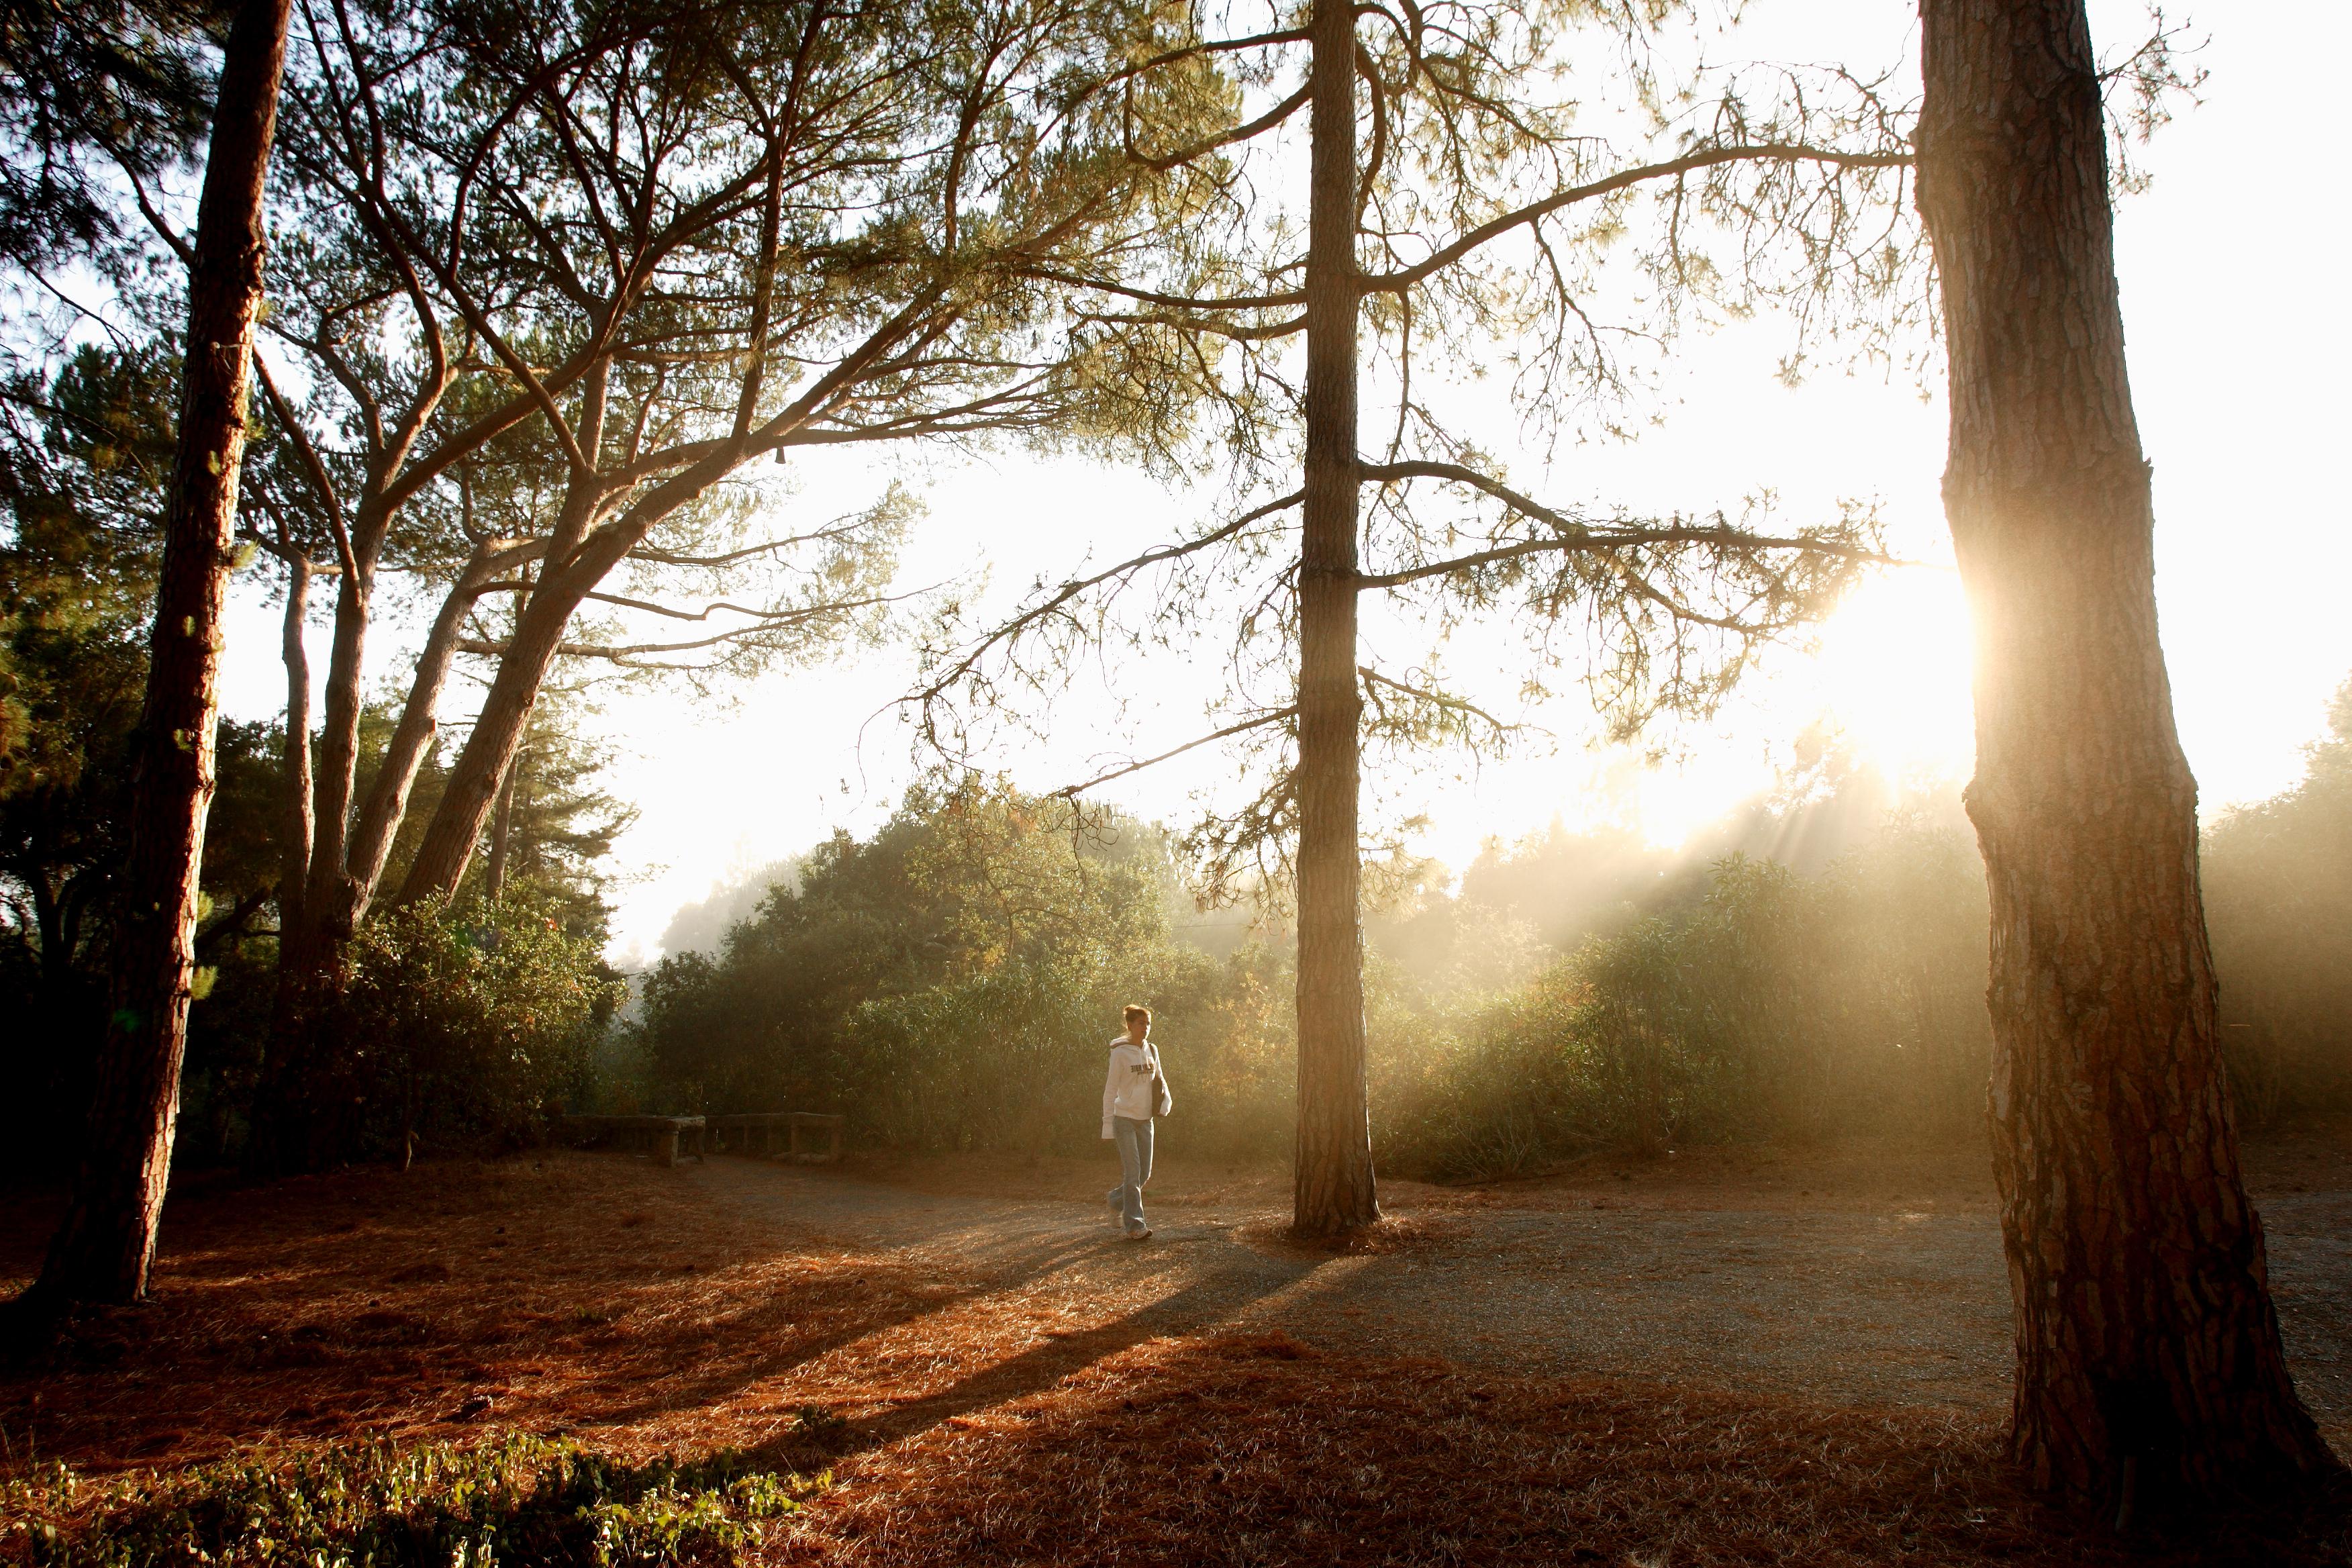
column 1892, row 677
column 1887, row 686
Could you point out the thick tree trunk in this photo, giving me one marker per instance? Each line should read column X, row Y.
column 299, row 950
column 344, row 870
column 1334, row 1189
column 314, row 916
column 326, row 895
column 103, row 1250
column 49, row 921
column 387, row 802
column 2147, row 1347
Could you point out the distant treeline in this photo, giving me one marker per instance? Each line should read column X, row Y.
column 951, row 981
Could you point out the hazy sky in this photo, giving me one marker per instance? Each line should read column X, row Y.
column 2237, row 342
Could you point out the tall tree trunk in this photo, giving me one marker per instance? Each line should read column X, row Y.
column 2145, row 1341
column 49, row 924
column 575, row 561
column 310, row 938
column 1334, row 1189
column 488, row 754
column 294, row 827
column 336, row 766
column 386, row 806
column 341, row 871
column 106, row 1241
column 494, row 875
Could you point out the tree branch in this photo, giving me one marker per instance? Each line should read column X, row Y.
column 1272, row 716
column 1625, row 179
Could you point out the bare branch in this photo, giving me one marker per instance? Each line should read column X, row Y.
column 1270, row 717
column 1625, row 179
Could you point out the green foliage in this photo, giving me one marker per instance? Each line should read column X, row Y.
column 950, row 982
column 1779, row 1007
column 115, row 82
column 84, row 455
column 450, row 1031
column 560, row 826
column 1012, row 1057
column 517, row 1499
column 953, row 981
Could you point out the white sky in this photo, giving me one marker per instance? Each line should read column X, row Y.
column 2237, row 343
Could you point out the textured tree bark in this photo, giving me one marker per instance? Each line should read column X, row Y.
column 2146, row 1340
column 336, row 764
column 1334, row 1189
column 568, row 575
column 312, row 931
column 494, row 875
column 294, row 851
column 104, row 1249
column 387, row 801
column 344, row 869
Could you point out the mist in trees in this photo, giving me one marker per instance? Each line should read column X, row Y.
column 944, row 974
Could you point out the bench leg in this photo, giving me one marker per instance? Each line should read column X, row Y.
column 669, row 1146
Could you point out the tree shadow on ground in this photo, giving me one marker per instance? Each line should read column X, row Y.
column 555, row 1294
column 1255, row 1449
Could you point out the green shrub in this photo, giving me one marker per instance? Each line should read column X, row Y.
column 455, row 1030
column 517, row 1500
column 1781, row 1006
column 2278, row 899
column 1012, row 1057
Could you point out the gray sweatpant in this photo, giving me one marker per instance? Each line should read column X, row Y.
column 1134, row 1140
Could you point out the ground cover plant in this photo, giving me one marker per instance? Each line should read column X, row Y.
column 514, row 1499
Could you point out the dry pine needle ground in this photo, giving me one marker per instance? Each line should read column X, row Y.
column 598, row 1297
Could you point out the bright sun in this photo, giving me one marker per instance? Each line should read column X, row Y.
column 1892, row 676
column 1889, row 682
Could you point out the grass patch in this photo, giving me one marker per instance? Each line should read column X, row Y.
column 514, row 1500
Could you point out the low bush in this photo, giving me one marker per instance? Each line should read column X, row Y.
column 516, row 1501
column 453, row 1031
column 1779, row 1007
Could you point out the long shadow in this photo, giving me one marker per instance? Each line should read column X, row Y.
column 1217, row 1298
column 1238, row 1285
column 213, row 1361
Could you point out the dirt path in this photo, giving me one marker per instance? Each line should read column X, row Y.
column 1873, row 1301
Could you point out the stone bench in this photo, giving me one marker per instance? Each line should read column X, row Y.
column 745, row 1128
column 665, row 1137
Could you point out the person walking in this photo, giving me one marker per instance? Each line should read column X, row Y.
column 1135, row 1093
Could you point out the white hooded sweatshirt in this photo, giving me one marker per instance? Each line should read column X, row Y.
column 1127, row 1088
